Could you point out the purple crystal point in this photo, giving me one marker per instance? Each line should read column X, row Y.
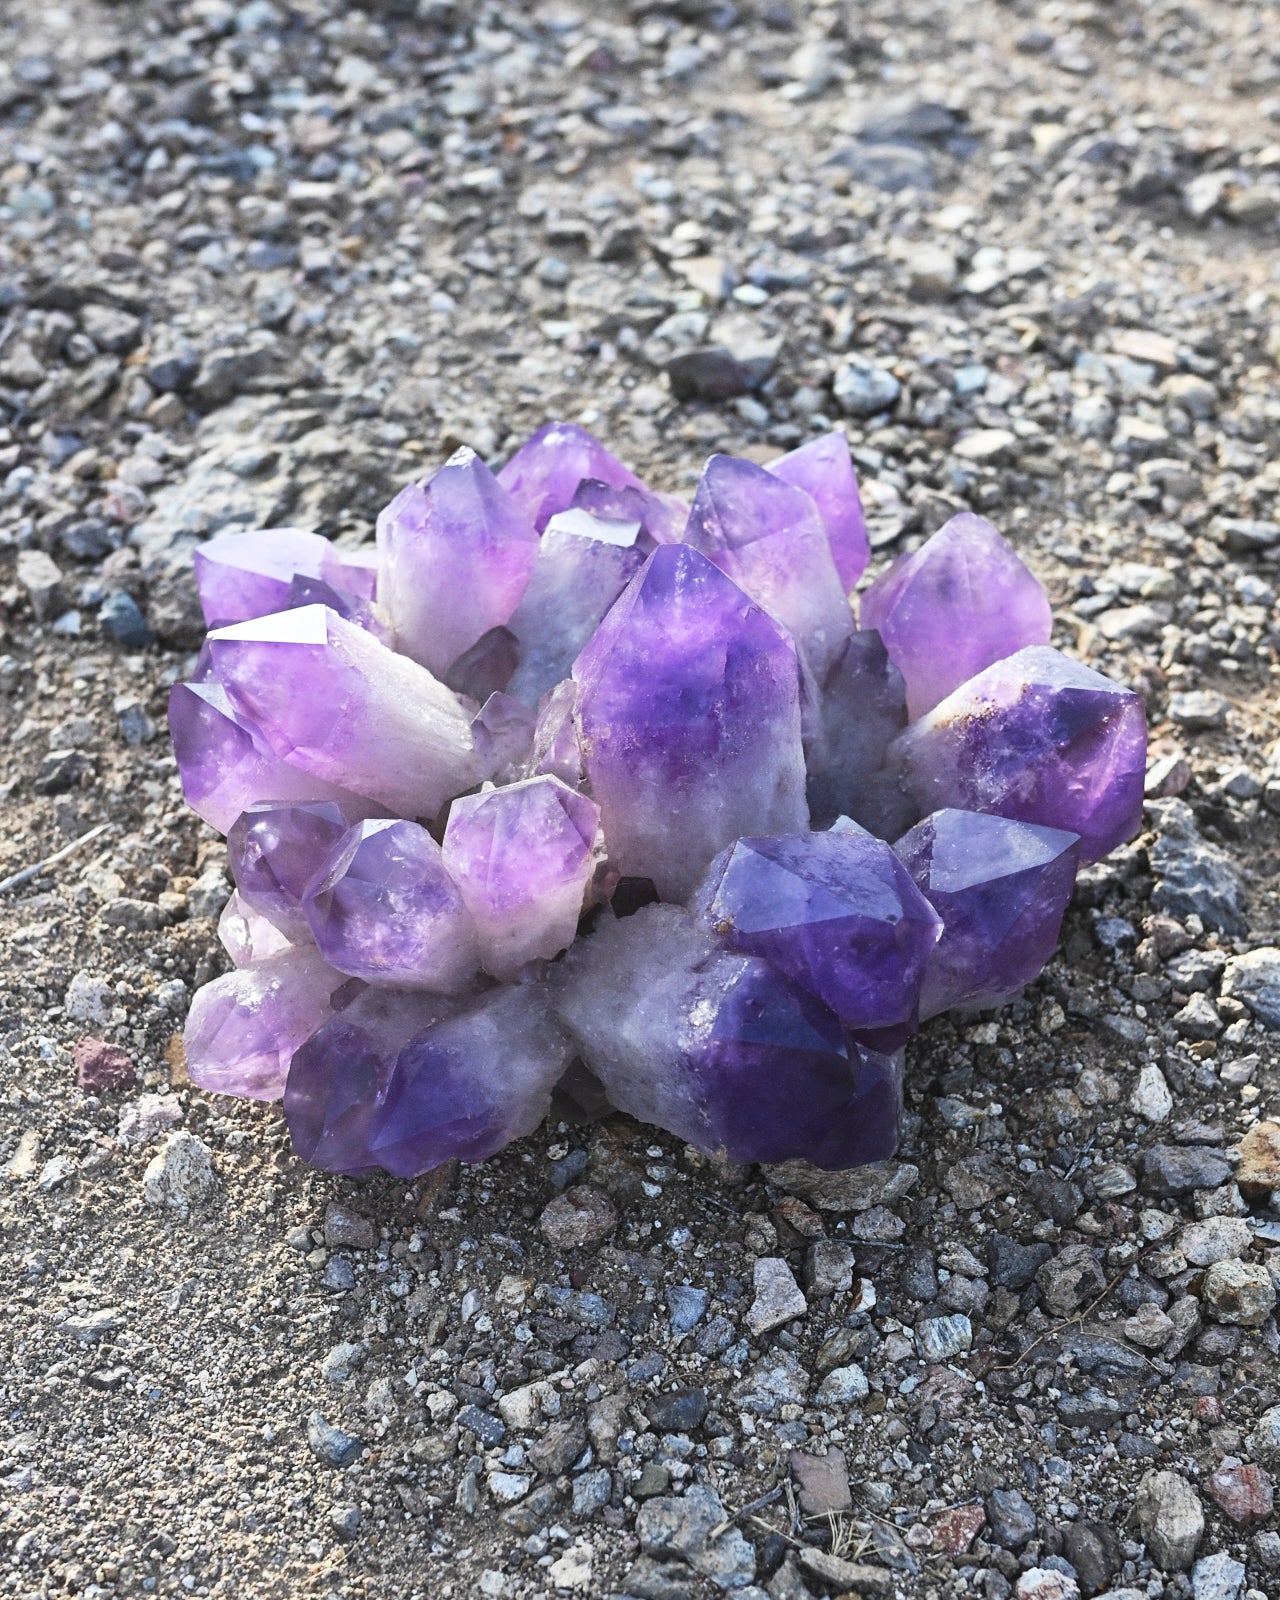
column 1001, row 889
column 721, row 1049
column 960, row 602
column 247, row 936
column 838, row 913
column 861, row 708
column 335, row 704
column 823, row 468
column 689, row 717
column 456, row 554
column 243, row 1028
column 584, row 563
column 472, row 1083
column 771, row 541
column 276, row 851
column 522, row 858
column 226, row 764
column 384, row 909
column 353, row 572
column 338, row 1077
column 1039, row 738
column 544, row 474
column 244, row 575
column 662, row 517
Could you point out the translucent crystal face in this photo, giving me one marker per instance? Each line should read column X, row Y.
column 568, row 783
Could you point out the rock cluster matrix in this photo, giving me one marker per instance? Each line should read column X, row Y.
column 570, row 788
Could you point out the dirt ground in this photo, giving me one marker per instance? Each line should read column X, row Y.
column 267, row 262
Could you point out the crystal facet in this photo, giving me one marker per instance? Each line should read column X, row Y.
column 522, row 859
column 770, row 539
column 247, row 936
column 721, row 1049
column 1037, row 737
column 335, row 704
column 456, row 553
column 244, row 575
column 961, row 602
column 861, row 709
column 276, row 851
column 384, row 909
column 544, row 474
column 824, row 470
column 472, row 1083
column 1001, row 889
column 243, row 1028
column 689, row 716
column 838, row 913
column 337, row 1079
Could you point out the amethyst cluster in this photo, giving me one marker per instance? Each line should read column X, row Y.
column 570, row 786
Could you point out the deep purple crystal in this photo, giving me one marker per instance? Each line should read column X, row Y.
column 1037, row 737
column 456, row 553
column 384, row 909
column 662, row 517
column 689, row 716
column 823, row 468
column 472, row 1083
column 1001, row 888
column 722, row 1049
column 337, row 1079
column 961, row 602
column 861, row 707
column 838, row 913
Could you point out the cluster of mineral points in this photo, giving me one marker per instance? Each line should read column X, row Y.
column 568, row 786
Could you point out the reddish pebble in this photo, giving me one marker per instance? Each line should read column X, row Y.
column 1208, row 1408
column 580, row 1218
column 1242, row 1493
column 955, row 1530
column 101, row 1066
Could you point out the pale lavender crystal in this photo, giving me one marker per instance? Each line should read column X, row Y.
column 1037, row 737
column 245, row 575
column 861, row 708
column 584, row 563
column 243, row 1028
column 544, row 474
column 456, row 553
column 338, row 1077
column 503, row 730
column 662, row 516
column 275, row 853
column 1001, row 888
column 472, row 1083
column 689, row 719
column 721, row 1049
column 522, row 858
column 226, row 764
column 337, row 705
column 557, row 749
column 948, row 610
column 823, row 468
column 354, row 572
column 247, row 936
column 838, row 913
column 384, row 909
column 771, row 541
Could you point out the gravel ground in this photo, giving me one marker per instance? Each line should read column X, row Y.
column 268, row 261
